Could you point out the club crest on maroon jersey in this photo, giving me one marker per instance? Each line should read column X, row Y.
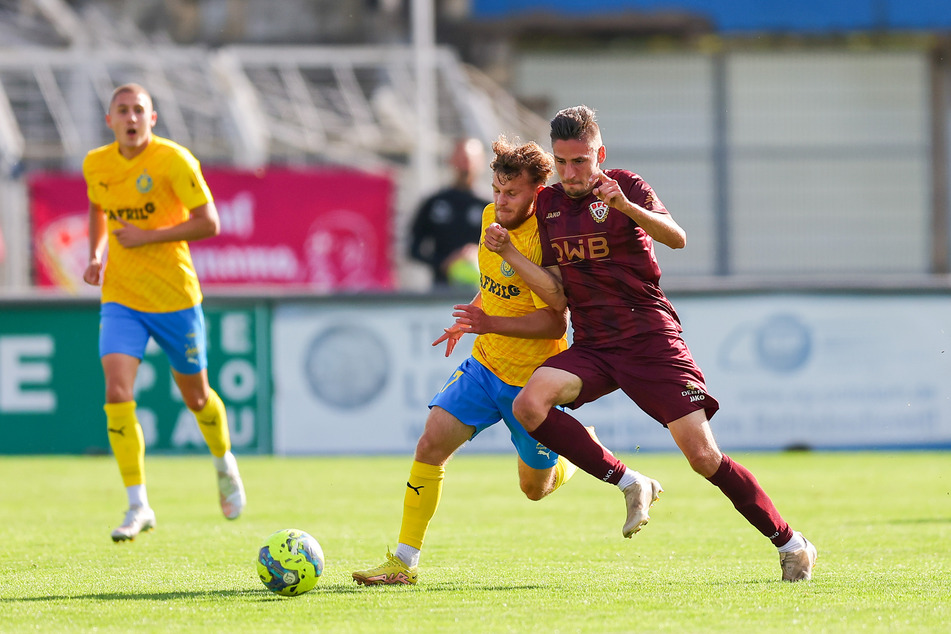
column 599, row 210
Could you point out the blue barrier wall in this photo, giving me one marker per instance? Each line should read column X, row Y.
column 807, row 16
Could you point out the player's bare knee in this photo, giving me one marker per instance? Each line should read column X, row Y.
column 423, row 449
column 195, row 402
column 534, row 491
column 705, row 462
column 119, row 394
column 528, row 412
column 429, row 451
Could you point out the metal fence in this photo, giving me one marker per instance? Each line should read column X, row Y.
column 791, row 165
column 247, row 107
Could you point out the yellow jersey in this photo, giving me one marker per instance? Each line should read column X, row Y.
column 156, row 189
column 504, row 293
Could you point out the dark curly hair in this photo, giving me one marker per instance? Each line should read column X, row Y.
column 511, row 159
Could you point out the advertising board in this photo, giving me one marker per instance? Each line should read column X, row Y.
column 52, row 390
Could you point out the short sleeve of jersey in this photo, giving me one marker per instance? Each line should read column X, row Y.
column 187, row 181
column 638, row 191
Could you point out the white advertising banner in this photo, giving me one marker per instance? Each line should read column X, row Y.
column 827, row 371
column 816, row 370
column 357, row 377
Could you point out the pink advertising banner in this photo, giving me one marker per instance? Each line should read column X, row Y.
column 318, row 230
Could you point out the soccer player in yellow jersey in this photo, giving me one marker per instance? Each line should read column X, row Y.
column 516, row 332
column 147, row 200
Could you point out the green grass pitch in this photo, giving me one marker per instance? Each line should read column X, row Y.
column 493, row 561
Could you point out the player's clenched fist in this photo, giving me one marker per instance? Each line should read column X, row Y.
column 607, row 190
column 93, row 273
column 496, row 238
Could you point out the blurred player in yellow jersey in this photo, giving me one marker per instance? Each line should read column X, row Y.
column 147, row 200
column 516, row 332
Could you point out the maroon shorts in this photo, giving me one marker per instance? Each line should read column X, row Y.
column 654, row 369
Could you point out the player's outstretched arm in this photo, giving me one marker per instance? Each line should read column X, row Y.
column 544, row 323
column 203, row 223
column 453, row 333
column 545, row 282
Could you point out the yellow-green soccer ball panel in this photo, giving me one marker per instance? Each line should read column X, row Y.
column 290, row 562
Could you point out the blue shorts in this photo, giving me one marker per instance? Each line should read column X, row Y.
column 479, row 398
column 181, row 334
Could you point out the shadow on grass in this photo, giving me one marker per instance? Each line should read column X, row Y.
column 343, row 588
column 147, row 596
column 263, row 594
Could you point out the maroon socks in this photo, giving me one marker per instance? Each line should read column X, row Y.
column 563, row 434
column 749, row 498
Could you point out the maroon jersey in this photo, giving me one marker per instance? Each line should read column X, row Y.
column 610, row 275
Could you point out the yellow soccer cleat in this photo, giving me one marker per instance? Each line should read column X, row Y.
column 392, row 572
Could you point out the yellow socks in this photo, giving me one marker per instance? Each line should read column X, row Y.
column 423, row 491
column 563, row 472
column 127, row 442
column 213, row 423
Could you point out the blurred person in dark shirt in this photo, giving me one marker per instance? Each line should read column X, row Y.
column 448, row 225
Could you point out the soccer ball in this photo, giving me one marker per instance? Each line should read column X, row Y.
column 290, row 562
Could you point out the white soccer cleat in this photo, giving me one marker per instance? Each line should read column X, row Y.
column 137, row 519
column 797, row 565
column 231, row 494
column 639, row 496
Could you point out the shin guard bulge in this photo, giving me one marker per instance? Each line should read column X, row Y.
column 127, row 441
column 423, row 490
column 213, row 423
column 749, row 498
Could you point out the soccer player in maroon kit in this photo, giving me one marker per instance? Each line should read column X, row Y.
column 597, row 233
